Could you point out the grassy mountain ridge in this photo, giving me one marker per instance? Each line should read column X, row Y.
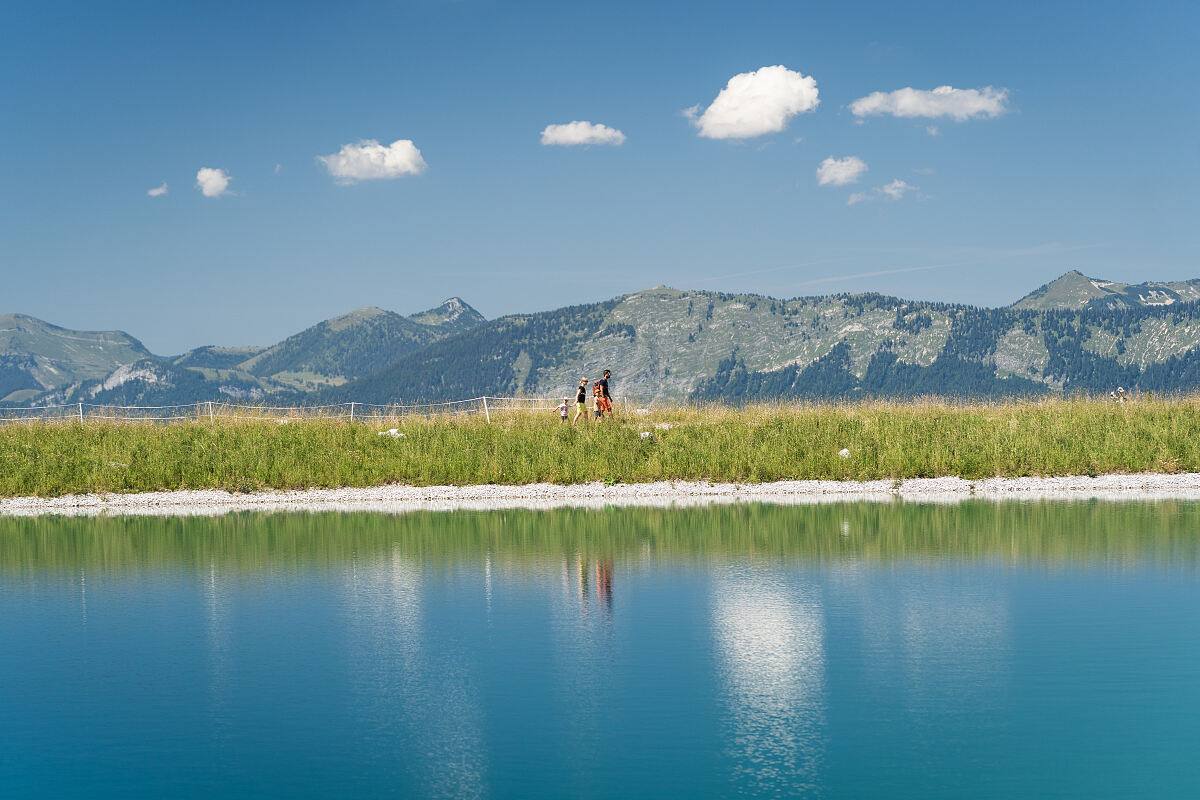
column 36, row 356
column 1075, row 291
column 114, row 368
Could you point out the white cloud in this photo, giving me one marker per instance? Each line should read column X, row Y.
column 756, row 103
column 896, row 190
column 580, row 132
column 369, row 160
column 944, row 101
column 278, row 168
column 158, row 191
column 212, row 182
column 840, row 171
column 932, row 130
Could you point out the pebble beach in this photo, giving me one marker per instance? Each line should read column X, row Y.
column 400, row 499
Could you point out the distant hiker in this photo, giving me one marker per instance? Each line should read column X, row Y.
column 605, row 395
column 580, row 401
column 562, row 410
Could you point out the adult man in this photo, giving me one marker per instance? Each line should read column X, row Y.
column 605, row 398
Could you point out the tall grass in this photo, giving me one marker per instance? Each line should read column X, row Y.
column 760, row 443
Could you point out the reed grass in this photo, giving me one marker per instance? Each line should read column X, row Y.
column 886, row 440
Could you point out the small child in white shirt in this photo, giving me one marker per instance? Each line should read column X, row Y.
column 562, row 410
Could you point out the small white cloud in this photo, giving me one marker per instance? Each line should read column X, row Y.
column 278, row 168
column 212, row 182
column 158, row 191
column 756, row 103
column 944, row 101
column 896, row 190
column 932, row 130
column 369, row 160
column 840, row 171
column 581, row 132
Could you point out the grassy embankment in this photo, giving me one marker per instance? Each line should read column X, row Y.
column 763, row 443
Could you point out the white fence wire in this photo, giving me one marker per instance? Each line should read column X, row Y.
column 211, row 411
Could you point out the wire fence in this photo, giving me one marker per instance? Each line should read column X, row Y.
column 212, row 411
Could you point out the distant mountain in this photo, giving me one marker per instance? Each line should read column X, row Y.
column 327, row 354
column 452, row 316
column 1075, row 291
column 36, row 357
column 1075, row 334
column 669, row 344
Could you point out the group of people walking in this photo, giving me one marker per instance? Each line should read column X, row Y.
column 601, row 400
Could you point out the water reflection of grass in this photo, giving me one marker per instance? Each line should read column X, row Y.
column 885, row 440
column 1094, row 533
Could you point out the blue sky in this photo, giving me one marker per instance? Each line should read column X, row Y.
column 1089, row 160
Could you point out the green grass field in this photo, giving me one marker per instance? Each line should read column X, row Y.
column 761, row 443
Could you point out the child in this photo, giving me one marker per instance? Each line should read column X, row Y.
column 597, row 401
column 562, row 410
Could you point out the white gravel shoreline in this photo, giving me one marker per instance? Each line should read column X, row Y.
column 400, row 499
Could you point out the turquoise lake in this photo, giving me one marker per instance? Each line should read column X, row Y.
column 890, row 650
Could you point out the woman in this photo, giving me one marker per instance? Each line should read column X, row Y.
column 580, row 400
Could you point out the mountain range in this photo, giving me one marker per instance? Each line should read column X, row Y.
column 1075, row 334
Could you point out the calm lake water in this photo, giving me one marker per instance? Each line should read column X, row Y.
column 854, row 650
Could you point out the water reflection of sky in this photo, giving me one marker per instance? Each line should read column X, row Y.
column 769, row 637
column 415, row 704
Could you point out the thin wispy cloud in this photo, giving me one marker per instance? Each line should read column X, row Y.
column 944, row 101
column 756, row 103
column 840, row 171
column 771, row 269
column 369, row 160
column 213, row 182
column 879, row 273
column 158, row 191
column 896, row 190
column 581, row 132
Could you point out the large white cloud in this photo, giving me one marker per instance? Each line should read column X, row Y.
column 369, row 160
column 840, row 171
column 756, row 103
column 944, row 101
column 158, row 191
column 580, row 132
column 212, row 182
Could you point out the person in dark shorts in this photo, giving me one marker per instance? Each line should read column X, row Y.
column 605, row 399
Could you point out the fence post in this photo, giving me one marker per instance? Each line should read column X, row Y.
column 485, row 411
column 210, row 413
column 352, row 411
column 81, row 413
